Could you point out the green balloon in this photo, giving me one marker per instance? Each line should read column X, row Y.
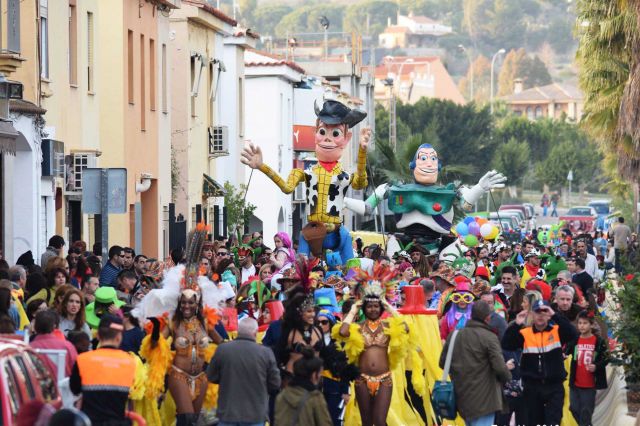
column 471, row 240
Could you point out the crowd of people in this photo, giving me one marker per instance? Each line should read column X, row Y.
column 300, row 339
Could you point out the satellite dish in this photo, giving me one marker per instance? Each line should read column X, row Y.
column 324, row 21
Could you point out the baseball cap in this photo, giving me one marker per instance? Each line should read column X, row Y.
column 540, row 305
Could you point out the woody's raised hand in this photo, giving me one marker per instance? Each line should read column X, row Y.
column 365, row 135
column 252, row 156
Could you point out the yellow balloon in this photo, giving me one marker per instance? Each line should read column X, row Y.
column 494, row 233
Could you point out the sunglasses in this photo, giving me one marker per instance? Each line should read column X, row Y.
column 222, row 253
column 323, row 322
column 466, row 298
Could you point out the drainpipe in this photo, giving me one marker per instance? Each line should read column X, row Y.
column 142, row 186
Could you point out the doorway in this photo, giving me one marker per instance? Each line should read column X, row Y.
column 75, row 220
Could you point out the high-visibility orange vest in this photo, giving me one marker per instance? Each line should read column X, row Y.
column 106, row 369
column 540, row 342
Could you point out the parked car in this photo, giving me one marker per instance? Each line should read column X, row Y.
column 532, row 213
column 580, row 219
column 527, row 214
column 508, row 221
column 603, row 209
column 23, row 377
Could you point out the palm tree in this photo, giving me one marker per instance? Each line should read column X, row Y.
column 608, row 47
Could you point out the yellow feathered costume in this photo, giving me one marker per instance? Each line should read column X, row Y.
column 401, row 348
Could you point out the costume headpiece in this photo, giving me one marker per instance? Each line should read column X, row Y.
column 334, row 112
column 375, row 287
column 184, row 280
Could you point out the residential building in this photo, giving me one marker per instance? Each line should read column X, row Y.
column 551, row 101
column 270, row 83
column 415, row 78
column 232, row 112
column 200, row 138
column 412, row 31
column 135, row 110
column 27, row 198
column 71, row 95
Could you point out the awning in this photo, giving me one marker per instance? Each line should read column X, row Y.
column 211, row 188
column 8, row 136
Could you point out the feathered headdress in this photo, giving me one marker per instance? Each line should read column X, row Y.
column 379, row 285
column 195, row 241
column 300, row 296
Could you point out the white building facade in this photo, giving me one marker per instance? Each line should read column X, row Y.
column 270, row 86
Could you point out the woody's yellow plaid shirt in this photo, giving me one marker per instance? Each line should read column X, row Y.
column 357, row 181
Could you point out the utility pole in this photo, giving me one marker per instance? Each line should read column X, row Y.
column 493, row 60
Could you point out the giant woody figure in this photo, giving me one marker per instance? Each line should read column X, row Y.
column 326, row 182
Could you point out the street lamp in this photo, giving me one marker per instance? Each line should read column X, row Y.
column 465, row 50
column 388, row 82
column 493, row 60
column 8, row 90
column 324, row 21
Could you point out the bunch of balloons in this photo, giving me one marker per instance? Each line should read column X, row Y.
column 473, row 227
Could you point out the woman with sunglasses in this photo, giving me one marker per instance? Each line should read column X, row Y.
column 459, row 311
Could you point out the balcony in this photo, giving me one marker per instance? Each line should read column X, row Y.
column 10, row 59
column 9, row 62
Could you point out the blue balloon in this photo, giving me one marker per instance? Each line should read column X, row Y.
column 468, row 220
column 462, row 229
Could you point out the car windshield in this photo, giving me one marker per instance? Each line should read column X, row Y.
column 579, row 211
column 600, row 208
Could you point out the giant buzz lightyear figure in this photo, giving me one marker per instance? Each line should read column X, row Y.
column 326, row 182
column 424, row 210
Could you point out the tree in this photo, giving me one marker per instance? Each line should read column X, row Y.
column 305, row 19
column 517, row 64
column 536, row 135
column 604, row 61
column 369, row 16
column 246, row 8
column 512, row 160
column 509, row 71
column 481, row 80
column 238, row 210
column 570, row 154
column 267, row 17
column 463, row 132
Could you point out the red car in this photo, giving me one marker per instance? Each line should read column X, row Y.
column 23, row 377
column 580, row 220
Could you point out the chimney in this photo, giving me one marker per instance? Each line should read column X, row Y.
column 517, row 85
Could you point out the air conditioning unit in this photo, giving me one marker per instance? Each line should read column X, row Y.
column 52, row 158
column 299, row 195
column 76, row 163
column 218, row 141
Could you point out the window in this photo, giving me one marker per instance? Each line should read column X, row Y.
column 538, row 112
column 47, row 382
column 530, row 113
column 13, row 25
column 90, row 51
column 44, row 39
column 22, row 369
column 142, row 86
column 73, row 43
column 79, row 163
column 13, row 390
column 152, row 74
column 164, row 78
column 130, row 66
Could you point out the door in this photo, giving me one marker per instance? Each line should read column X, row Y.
column 75, row 220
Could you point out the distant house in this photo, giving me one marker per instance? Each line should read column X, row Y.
column 412, row 31
column 549, row 101
column 415, row 78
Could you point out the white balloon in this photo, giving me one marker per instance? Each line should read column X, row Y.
column 486, row 230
